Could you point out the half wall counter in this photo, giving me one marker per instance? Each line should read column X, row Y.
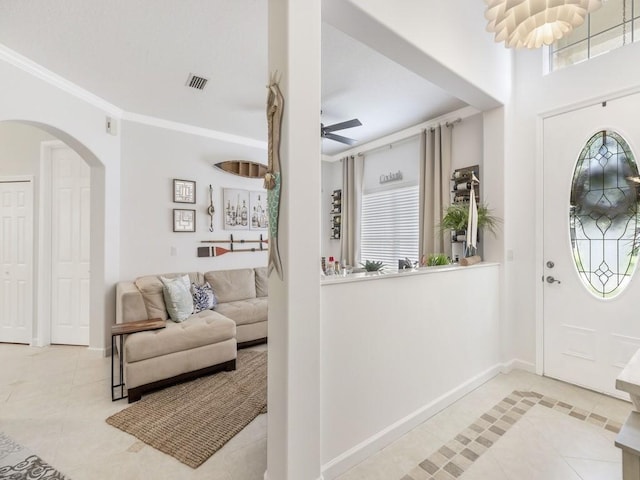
column 398, row 347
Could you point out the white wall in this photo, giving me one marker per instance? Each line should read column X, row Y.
column 151, row 158
column 380, row 353
column 534, row 95
column 467, row 143
column 445, row 42
column 331, row 180
column 27, row 98
column 401, row 156
column 20, row 149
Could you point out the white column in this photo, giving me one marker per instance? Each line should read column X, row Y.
column 294, row 303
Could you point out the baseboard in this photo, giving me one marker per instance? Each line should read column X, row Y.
column 517, row 364
column 266, row 476
column 377, row 442
column 103, row 352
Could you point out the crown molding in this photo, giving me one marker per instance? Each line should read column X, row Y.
column 193, row 130
column 29, row 66
column 32, row 68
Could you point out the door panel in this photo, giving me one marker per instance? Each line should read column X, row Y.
column 16, row 237
column 587, row 340
column 70, row 215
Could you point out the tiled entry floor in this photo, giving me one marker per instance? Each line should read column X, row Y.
column 547, row 431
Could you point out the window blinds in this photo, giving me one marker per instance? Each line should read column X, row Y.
column 389, row 226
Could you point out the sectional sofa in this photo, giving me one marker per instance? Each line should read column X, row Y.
column 203, row 343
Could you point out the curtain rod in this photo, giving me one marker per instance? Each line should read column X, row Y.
column 390, row 145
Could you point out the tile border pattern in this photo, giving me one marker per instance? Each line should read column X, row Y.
column 451, row 460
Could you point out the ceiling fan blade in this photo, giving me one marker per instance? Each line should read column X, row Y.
column 339, row 138
column 342, row 125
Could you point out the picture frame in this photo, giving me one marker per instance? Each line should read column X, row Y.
column 258, row 213
column 236, row 209
column 184, row 191
column 184, row 220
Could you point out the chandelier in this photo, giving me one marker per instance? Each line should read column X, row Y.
column 532, row 23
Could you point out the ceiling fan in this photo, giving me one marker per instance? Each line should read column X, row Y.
column 326, row 132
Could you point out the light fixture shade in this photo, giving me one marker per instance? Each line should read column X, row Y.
column 533, row 23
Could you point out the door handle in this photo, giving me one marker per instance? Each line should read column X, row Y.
column 550, row 279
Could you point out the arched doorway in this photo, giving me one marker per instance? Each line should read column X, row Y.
column 33, row 141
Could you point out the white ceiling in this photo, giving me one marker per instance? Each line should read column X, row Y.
column 138, row 54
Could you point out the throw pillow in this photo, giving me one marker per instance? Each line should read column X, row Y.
column 177, row 297
column 203, row 297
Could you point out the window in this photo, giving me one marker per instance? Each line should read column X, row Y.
column 613, row 25
column 389, row 226
column 603, row 214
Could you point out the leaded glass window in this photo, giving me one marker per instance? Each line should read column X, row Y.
column 603, row 218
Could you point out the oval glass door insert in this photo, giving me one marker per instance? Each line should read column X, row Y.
column 603, row 218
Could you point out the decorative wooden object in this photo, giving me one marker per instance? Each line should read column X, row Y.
column 243, row 168
column 466, row 261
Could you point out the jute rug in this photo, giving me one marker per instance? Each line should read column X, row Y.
column 193, row 420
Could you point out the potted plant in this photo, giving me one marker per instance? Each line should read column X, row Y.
column 456, row 218
column 437, row 259
column 372, row 266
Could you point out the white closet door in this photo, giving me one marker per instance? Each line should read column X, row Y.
column 16, row 252
column 70, row 227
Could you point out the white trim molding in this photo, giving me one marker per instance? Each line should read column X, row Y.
column 193, row 130
column 29, row 66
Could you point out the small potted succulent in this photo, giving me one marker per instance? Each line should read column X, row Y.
column 372, row 266
column 437, row 259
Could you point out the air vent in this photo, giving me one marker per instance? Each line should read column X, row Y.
column 194, row 81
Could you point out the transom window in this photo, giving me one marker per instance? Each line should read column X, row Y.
column 613, row 25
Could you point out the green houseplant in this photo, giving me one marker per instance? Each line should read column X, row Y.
column 372, row 266
column 456, row 218
column 436, row 259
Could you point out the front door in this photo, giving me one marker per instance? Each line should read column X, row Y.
column 591, row 295
column 70, row 253
column 16, row 252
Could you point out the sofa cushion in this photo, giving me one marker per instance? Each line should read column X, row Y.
column 262, row 282
column 150, row 287
column 244, row 312
column 232, row 285
column 177, row 297
column 204, row 328
column 203, row 297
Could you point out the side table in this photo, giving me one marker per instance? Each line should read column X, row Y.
column 122, row 329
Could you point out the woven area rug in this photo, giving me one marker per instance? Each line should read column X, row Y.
column 193, row 420
column 18, row 463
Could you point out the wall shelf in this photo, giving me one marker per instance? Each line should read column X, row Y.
column 336, row 214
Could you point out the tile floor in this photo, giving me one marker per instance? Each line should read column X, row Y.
column 570, row 440
column 54, row 401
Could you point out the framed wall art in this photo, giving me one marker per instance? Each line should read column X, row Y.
column 184, row 220
column 259, row 217
column 184, row 191
column 236, row 209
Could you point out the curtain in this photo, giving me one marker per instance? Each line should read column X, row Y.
column 435, row 195
column 352, row 173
